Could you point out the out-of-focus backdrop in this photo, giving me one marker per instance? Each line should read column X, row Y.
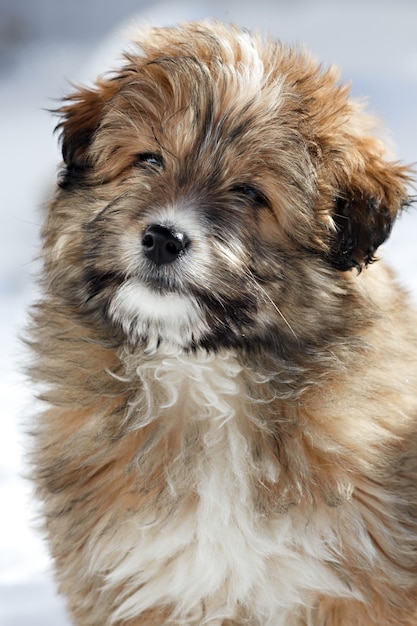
column 45, row 44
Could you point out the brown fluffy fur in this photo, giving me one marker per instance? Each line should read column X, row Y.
column 287, row 182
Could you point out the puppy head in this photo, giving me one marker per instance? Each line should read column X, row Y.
column 213, row 190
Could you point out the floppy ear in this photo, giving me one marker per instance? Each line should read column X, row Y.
column 80, row 118
column 364, row 212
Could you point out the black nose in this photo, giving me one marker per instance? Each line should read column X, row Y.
column 163, row 245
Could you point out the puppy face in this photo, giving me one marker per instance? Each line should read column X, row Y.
column 216, row 192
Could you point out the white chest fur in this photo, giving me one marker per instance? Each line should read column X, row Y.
column 215, row 554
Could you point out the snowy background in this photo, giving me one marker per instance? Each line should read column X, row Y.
column 46, row 43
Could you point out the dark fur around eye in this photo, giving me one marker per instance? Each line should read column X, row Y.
column 151, row 159
column 251, row 194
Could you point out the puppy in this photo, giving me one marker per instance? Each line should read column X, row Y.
column 230, row 431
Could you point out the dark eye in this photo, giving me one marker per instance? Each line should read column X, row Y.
column 251, row 194
column 149, row 159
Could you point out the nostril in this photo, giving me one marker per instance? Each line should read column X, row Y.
column 148, row 241
column 163, row 245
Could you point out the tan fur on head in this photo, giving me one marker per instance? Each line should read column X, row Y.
column 230, row 433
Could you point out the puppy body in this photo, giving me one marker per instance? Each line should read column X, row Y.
column 230, row 435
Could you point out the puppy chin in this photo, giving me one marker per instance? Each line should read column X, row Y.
column 157, row 319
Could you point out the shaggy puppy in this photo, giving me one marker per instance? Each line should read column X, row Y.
column 231, row 388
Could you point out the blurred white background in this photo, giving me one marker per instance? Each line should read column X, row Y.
column 44, row 44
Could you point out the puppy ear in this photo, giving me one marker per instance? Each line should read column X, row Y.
column 364, row 211
column 80, row 118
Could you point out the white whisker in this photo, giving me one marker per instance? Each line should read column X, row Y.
column 251, row 277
